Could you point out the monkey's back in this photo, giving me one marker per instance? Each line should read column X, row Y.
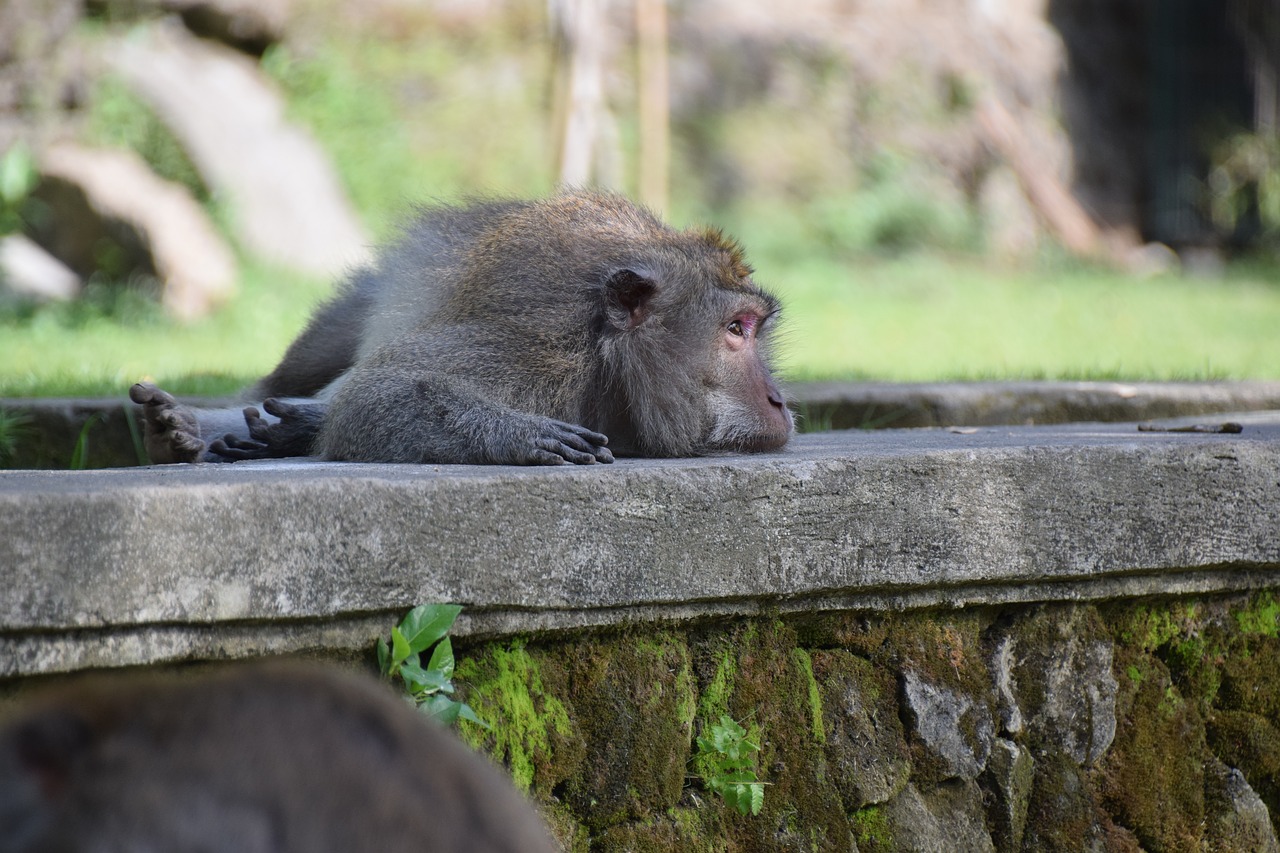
column 259, row 759
column 508, row 294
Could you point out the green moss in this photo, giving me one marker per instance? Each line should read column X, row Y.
column 677, row 831
column 633, row 705
column 1062, row 808
column 1249, row 681
column 802, row 660
column 504, row 685
column 1261, row 616
column 714, row 702
column 871, row 830
column 1152, row 779
column 1151, row 626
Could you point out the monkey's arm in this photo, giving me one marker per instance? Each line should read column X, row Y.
column 173, row 432
column 390, row 414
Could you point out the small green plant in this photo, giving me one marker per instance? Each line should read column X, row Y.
column 1246, row 174
column 727, row 755
column 80, row 454
column 15, row 427
column 428, row 687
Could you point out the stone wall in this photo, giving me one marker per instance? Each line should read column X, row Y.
column 1147, row 724
column 988, row 638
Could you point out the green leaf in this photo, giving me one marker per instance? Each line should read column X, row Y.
column 18, row 174
column 384, row 658
column 757, row 797
column 400, row 648
column 442, row 659
column 424, row 681
column 427, row 623
column 465, row 712
column 442, row 708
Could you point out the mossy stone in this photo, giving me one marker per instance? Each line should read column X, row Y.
column 1152, row 780
column 633, row 706
column 866, row 749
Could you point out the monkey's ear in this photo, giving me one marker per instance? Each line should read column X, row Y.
column 627, row 298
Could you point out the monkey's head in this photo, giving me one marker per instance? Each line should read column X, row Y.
column 687, row 348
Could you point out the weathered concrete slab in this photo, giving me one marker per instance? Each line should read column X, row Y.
column 57, row 422
column 880, row 405
column 148, row 564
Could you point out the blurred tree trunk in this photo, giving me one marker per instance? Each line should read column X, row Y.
column 655, row 108
column 588, row 142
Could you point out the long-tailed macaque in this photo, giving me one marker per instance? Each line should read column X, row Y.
column 515, row 333
column 254, row 759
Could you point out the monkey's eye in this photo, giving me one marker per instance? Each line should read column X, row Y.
column 735, row 328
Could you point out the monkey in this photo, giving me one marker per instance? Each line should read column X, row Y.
column 554, row 331
column 253, row 758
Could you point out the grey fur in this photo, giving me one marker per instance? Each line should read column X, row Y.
column 523, row 333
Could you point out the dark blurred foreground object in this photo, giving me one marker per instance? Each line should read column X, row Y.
column 253, row 758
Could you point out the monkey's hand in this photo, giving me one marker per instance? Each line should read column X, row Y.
column 293, row 435
column 545, row 441
column 171, row 432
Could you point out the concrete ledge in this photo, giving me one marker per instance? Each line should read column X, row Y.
column 55, row 424
column 151, row 564
column 881, row 405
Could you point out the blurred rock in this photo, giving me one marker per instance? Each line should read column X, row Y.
column 28, row 271
column 865, row 747
column 110, row 202
column 248, row 25
column 1059, row 667
column 285, row 201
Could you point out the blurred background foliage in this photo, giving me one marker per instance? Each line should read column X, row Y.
column 846, row 151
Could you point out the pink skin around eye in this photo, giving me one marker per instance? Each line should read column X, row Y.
column 748, row 322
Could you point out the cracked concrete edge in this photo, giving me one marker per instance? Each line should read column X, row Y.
column 55, row 423
column 49, row 653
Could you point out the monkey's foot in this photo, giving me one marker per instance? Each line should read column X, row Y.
column 293, row 435
column 552, row 442
column 170, row 430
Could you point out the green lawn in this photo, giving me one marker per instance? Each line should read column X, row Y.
column 925, row 318
column 917, row 317
column 407, row 120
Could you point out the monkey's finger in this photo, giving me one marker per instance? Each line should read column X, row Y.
column 596, row 438
column 538, row 456
column 176, row 420
column 234, row 447
column 185, row 444
column 576, row 441
column 564, row 451
column 279, row 408
column 144, row 393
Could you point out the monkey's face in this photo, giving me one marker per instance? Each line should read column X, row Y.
column 685, row 345
column 747, row 409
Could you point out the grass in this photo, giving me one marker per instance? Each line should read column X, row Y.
column 916, row 317
column 924, row 318
column 104, row 345
column 884, row 281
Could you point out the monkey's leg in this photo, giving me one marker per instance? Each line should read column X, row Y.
column 294, row 434
column 388, row 415
column 173, row 432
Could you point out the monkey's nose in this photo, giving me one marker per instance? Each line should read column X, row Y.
column 775, row 397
